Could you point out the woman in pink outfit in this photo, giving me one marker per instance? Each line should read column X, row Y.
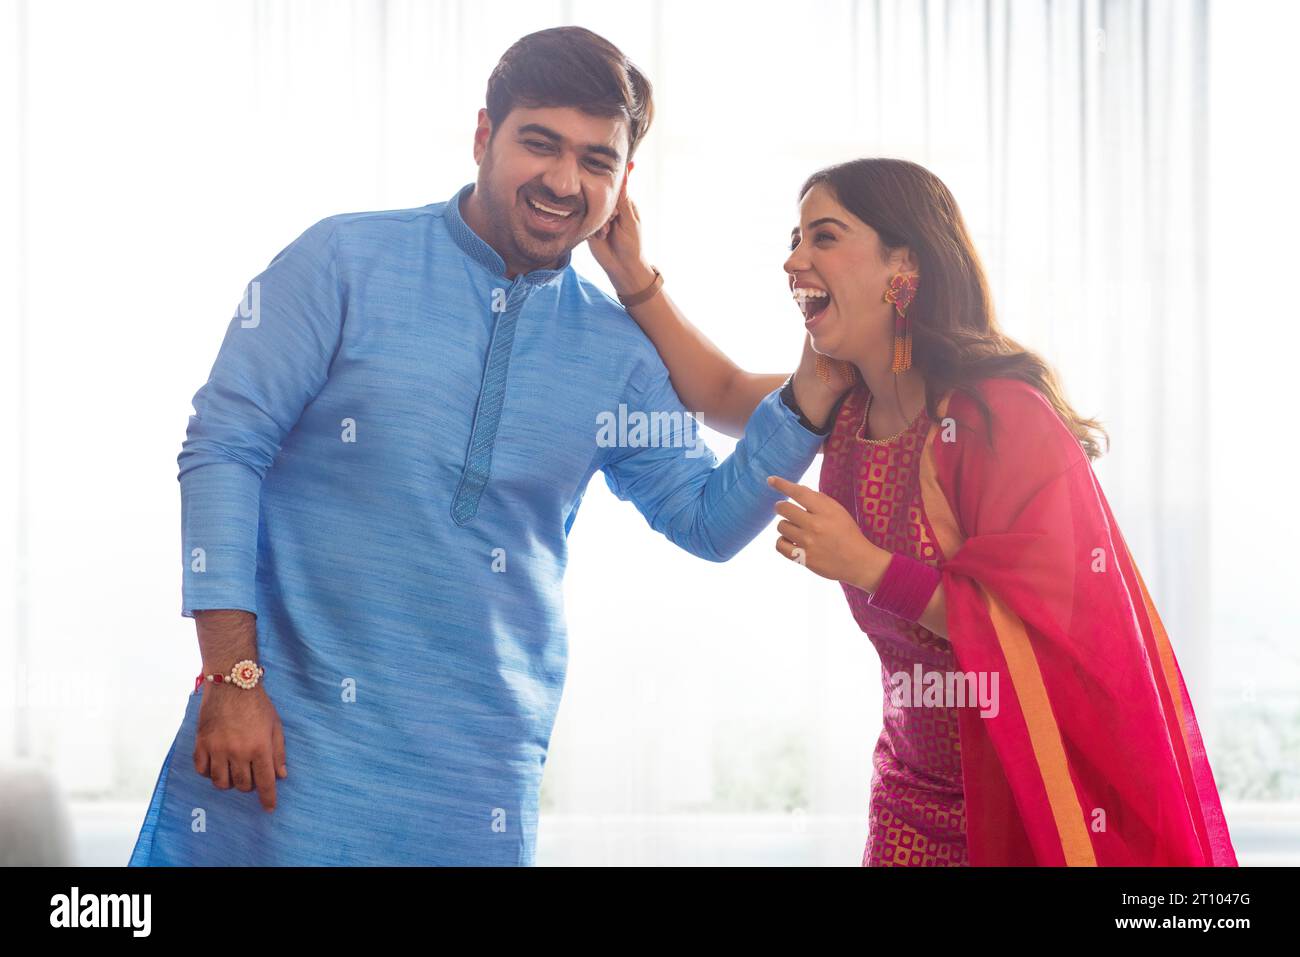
column 1035, row 713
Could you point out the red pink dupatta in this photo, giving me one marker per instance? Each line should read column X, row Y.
column 1094, row 756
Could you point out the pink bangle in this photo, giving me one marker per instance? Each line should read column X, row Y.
column 906, row 587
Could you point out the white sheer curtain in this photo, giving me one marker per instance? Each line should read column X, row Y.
column 157, row 154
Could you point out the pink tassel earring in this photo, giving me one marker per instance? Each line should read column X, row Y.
column 901, row 292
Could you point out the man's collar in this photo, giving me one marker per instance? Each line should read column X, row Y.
column 478, row 249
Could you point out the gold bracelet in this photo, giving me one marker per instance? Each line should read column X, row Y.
column 645, row 293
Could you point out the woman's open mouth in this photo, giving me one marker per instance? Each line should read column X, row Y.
column 549, row 218
column 812, row 302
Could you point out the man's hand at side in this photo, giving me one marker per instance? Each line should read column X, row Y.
column 240, row 740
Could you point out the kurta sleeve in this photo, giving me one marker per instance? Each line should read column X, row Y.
column 1092, row 755
column 274, row 359
column 675, row 481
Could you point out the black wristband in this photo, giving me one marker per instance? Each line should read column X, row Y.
column 787, row 396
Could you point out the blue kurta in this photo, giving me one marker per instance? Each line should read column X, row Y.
column 384, row 466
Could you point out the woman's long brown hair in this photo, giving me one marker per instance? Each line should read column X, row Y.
column 956, row 341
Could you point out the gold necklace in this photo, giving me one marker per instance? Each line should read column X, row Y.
column 862, row 429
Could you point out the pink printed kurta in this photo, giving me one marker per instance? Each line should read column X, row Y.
column 917, row 807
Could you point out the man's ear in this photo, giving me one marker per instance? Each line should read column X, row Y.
column 480, row 136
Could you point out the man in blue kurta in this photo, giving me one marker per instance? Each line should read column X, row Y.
column 383, row 467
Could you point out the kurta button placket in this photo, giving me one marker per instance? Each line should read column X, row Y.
column 487, row 414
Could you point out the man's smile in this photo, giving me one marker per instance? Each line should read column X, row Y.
column 548, row 217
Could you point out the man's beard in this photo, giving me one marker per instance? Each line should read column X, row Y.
column 526, row 248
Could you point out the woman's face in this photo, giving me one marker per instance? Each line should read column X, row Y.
column 834, row 252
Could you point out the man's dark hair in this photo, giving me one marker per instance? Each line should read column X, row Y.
column 573, row 67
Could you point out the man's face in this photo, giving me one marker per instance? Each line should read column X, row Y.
column 571, row 163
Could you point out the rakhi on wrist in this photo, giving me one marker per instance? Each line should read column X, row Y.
column 245, row 674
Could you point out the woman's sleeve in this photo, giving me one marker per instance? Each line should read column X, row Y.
column 1091, row 754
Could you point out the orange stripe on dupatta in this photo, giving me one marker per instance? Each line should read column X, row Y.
column 1044, row 734
column 1167, row 665
column 1026, row 677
